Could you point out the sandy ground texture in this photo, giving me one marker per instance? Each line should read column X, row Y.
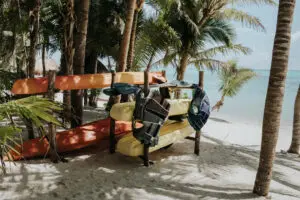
column 225, row 169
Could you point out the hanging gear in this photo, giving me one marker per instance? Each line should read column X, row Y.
column 152, row 113
column 121, row 88
column 199, row 110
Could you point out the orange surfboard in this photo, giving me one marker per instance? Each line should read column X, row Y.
column 70, row 140
column 86, row 81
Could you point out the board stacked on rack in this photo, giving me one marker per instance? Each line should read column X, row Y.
column 170, row 132
column 86, row 135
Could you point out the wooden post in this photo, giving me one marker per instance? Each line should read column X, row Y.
column 51, row 127
column 146, row 92
column 112, row 136
column 146, row 83
column 198, row 133
column 164, row 74
column 85, row 97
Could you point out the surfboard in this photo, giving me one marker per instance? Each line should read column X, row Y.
column 170, row 133
column 86, row 135
column 124, row 111
column 86, row 81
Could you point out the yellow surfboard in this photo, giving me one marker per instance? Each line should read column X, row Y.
column 170, row 132
column 124, row 111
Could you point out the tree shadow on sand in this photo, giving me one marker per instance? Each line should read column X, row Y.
column 98, row 175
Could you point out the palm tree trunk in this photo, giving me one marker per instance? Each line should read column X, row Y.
column 43, row 59
column 67, row 56
column 126, row 37
column 181, row 70
column 219, row 104
column 295, row 145
column 82, row 14
column 275, row 96
column 132, row 41
column 33, row 35
column 150, row 61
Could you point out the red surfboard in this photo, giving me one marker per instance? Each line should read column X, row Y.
column 70, row 140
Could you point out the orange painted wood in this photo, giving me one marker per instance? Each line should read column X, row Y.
column 86, row 135
column 86, row 81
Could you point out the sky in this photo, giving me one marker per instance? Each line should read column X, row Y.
column 261, row 43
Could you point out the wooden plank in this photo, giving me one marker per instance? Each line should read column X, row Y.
column 86, row 81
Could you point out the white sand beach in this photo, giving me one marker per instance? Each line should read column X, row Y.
column 225, row 169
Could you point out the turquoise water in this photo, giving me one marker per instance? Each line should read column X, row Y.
column 250, row 101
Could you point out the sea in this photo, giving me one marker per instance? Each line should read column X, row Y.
column 248, row 104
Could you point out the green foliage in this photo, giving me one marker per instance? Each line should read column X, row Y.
column 198, row 23
column 233, row 78
column 37, row 110
column 7, row 79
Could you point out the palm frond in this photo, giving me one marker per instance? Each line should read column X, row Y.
column 242, row 17
column 233, row 78
column 224, row 50
column 37, row 110
column 34, row 108
column 209, row 63
column 257, row 2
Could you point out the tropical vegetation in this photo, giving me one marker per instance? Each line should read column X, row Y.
column 232, row 79
column 38, row 110
column 180, row 33
column 274, row 99
column 295, row 144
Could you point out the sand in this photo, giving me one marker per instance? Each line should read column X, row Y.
column 225, row 169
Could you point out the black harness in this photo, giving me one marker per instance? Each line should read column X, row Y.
column 152, row 111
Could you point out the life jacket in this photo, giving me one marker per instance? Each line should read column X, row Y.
column 152, row 112
column 199, row 109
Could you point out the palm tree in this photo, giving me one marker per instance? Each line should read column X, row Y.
column 155, row 37
column 68, row 54
column 295, row 145
column 274, row 98
column 192, row 18
column 82, row 14
column 131, row 51
column 232, row 80
column 37, row 110
column 123, row 54
column 33, row 35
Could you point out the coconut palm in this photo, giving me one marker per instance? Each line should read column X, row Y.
column 155, row 37
column 34, row 21
column 123, row 54
column 232, row 79
column 295, row 145
column 192, row 19
column 82, row 13
column 37, row 110
column 274, row 98
column 131, row 50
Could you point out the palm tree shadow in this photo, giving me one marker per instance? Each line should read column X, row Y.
column 119, row 177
